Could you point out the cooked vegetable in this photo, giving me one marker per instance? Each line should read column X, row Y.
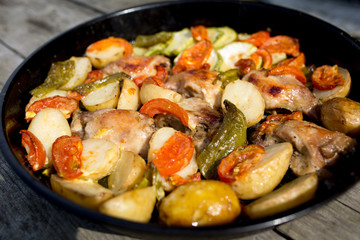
column 150, row 91
column 129, row 96
column 257, row 38
column 134, row 205
column 33, row 99
column 289, row 70
column 47, row 126
column 221, row 36
column 128, row 171
column 247, row 98
column 179, row 42
column 107, row 50
column 339, row 91
column 150, row 40
column 288, row 196
column 266, row 174
column 341, row 114
column 204, row 203
column 83, row 192
column 230, row 135
column 228, row 77
column 99, row 158
column 64, row 76
column 36, row 154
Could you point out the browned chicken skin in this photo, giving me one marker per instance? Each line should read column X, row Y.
column 137, row 66
column 284, row 92
column 197, row 83
column 128, row 129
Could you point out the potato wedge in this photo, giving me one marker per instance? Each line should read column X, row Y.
column 288, row 196
column 82, row 68
column 341, row 114
column 47, row 126
column 130, row 96
column 204, row 203
column 103, row 97
column 128, row 171
column 135, row 205
column 266, row 174
column 340, row 91
column 150, row 91
column 247, row 98
column 99, row 158
column 83, row 192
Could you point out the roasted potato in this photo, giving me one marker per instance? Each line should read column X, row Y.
column 266, row 174
column 134, row 205
column 47, row 126
column 82, row 68
column 342, row 115
column 128, row 171
column 99, row 158
column 204, row 203
column 247, row 98
column 130, row 96
column 150, row 91
column 288, row 196
column 340, row 91
column 104, row 97
column 84, row 192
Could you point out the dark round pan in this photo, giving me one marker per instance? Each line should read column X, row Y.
column 321, row 42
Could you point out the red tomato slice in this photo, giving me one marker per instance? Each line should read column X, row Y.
column 258, row 38
column 94, row 75
column 194, row 57
column 199, row 32
column 66, row 154
column 36, row 152
column 289, row 70
column 327, row 77
column 239, row 161
column 111, row 41
column 162, row 105
column 65, row 104
column 176, row 180
column 282, row 43
column 264, row 55
column 297, row 62
column 174, row 155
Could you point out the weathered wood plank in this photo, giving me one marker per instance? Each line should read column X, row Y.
column 333, row 221
column 9, row 63
column 352, row 197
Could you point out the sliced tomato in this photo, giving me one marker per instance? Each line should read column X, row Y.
column 297, row 62
column 258, row 38
column 199, row 32
column 176, row 180
column 65, row 104
column 263, row 54
column 94, row 75
column 174, row 155
column 104, row 44
column 36, row 154
column 194, row 57
column 239, row 161
column 66, row 156
column 164, row 106
column 289, row 70
column 282, row 44
column 327, row 77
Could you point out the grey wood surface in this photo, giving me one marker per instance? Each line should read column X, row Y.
column 27, row 24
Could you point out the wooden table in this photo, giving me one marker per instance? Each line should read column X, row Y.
column 27, row 24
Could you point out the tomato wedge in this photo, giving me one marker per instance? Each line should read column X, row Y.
column 94, row 75
column 282, row 44
column 36, row 152
column 66, row 154
column 199, row 32
column 289, row 70
column 258, row 38
column 263, row 54
column 297, row 62
column 239, row 161
column 327, row 77
column 66, row 105
column 104, row 44
column 174, row 155
column 194, row 57
column 162, row 105
column 176, row 180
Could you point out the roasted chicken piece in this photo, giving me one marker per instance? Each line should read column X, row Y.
column 128, row 129
column 138, row 66
column 199, row 83
column 282, row 91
